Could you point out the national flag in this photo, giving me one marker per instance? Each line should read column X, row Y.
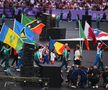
column 51, row 44
column 29, row 34
column 26, row 20
column 82, row 35
column 89, row 33
column 9, row 37
column 59, row 47
column 38, row 29
column 26, row 32
column 18, row 27
column 100, row 34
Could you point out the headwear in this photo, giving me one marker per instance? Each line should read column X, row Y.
column 99, row 43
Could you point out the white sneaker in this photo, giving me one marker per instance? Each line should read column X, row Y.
column 5, row 70
column 106, row 85
column 18, row 70
column 96, row 86
column 73, row 86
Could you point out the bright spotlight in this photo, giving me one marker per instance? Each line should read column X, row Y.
column 53, row 15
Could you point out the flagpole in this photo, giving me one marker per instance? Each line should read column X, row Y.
column 104, row 44
column 21, row 18
column 82, row 46
column 14, row 24
column 80, row 38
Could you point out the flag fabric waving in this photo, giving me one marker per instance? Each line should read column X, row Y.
column 51, row 44
column 59, row 47
column 89, row 33
column 18, row 27
column 9, row 37
column 82, row 35
column 26, row 20
column 29, row 34
column 100, row 34
column 38, row 29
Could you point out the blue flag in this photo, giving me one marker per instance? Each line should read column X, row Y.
column 51, row 44
column 29, row 34
column 18, row 27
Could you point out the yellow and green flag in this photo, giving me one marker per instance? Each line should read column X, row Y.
column 9, row 37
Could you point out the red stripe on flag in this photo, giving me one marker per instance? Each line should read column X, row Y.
column 87, row 44
column 61, row 49
column 102, row 34
column 91, row 35
column 38, row 28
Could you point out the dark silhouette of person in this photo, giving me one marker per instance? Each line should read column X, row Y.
column 104, row 17
column 69, row 15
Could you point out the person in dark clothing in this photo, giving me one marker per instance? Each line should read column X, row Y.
column 6, row 51
column 93, row 76
column 69, row 15
column 65, row 57
column 83, row 77
column 61, row 15
column 74, row 77
column 3, row 18
column 104, row 17
column 98, row 19
column 15, row 58
column 69, row 75
column 77, row 20
column 105, row 77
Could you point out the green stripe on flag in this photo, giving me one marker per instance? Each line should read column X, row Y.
column 19, row 44
column 26, row 20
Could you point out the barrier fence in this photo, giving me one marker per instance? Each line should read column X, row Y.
column 10, row 12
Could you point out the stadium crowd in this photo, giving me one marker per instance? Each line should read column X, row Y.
column 58, row 4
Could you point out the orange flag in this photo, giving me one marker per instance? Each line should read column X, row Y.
column 38, row 28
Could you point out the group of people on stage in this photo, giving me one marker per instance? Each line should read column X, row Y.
column 7, row 53
column 44, row 55
column 78, row 75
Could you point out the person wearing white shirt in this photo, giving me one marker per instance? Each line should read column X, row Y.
column 77, row 55
column 52, row 57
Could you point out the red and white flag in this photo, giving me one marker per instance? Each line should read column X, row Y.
column 89, row 33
